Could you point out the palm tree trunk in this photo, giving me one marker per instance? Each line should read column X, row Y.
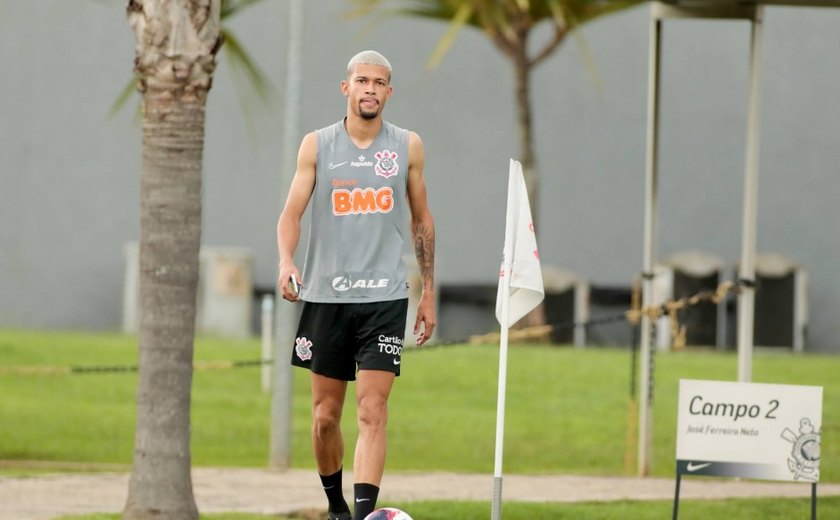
column 522, row 70
column 177, row 41
column 522, row 74
column 170, row 236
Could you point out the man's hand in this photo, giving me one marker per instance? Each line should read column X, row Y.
column 284, row 282
column 425, row 317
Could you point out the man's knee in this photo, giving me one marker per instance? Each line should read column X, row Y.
column 326, row 419
column 372, row 412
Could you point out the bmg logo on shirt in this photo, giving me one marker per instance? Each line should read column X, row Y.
column 362, row 201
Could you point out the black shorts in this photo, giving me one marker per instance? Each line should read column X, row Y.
column 334, row 338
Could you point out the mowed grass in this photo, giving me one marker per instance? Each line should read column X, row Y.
column 567, row 409
column 765, row 509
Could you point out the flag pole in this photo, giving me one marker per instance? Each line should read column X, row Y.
column 496, row 511
column 506, row 271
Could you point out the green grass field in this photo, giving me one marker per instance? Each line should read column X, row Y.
column 567, row 408
column 765, row 509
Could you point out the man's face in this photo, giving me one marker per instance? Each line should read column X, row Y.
column 367, row 89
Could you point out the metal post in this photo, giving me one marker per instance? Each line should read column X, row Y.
column 677, row 497
column 720, row 332
column 267, row 321
column 800, row 309
column 645, row 394
column 746, row 298
column 280, row 446
column 581, row 313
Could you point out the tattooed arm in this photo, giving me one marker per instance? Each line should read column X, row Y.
column 423, row 234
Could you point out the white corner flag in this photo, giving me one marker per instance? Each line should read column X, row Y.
column 521, row 259
column 520, row 291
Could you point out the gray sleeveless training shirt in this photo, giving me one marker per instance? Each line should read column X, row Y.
column 359, row 212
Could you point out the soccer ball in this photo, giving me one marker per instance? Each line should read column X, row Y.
column 388, row 513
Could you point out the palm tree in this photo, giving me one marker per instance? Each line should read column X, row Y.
column 177, row 42
column 508, row 24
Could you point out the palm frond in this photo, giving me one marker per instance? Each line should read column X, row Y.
column 441, row 10
column 557, row 13
column 231, row 7
column 249, row 81
column 241, row 60
column 125, row 94
column 446, row 41
column 242, row 63
column 591, row 9
column 586, row 54
column 485, row 11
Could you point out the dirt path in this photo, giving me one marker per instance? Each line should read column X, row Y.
column 263, row 491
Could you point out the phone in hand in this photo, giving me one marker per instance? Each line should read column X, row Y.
column 294, row 285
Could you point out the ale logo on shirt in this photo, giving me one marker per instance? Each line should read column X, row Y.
column 367, row 282
column 386, row 163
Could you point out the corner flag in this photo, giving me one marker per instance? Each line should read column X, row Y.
column 521, row 259
column 520, row 290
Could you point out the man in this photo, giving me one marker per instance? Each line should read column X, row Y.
column 364, row 177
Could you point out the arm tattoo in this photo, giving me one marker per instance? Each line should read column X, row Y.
column 424, row 249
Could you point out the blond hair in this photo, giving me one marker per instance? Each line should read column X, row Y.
column 368, row 58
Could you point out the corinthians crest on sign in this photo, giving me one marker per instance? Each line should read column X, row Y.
column 386, row 163
column 804, row 459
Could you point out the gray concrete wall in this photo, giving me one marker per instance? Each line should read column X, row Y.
column 69, row 196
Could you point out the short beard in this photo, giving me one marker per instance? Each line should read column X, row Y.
column 368, row 115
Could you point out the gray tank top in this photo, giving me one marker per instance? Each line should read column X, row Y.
column 359, row 212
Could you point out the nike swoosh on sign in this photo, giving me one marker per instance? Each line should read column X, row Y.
column 694, row 467
column 334, row 166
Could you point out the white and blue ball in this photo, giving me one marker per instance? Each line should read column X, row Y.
column 388, row 513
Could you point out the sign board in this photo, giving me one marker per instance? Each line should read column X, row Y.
column 749, row 430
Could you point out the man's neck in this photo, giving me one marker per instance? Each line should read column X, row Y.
column 362, row 131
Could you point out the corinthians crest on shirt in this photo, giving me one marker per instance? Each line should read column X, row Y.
column 386, row 164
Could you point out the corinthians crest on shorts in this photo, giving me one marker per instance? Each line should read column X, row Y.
column 303, row 348
column 386, row 163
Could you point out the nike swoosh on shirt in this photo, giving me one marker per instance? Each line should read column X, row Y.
column 334, row 166
column 695, row 467
column 397, row 361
